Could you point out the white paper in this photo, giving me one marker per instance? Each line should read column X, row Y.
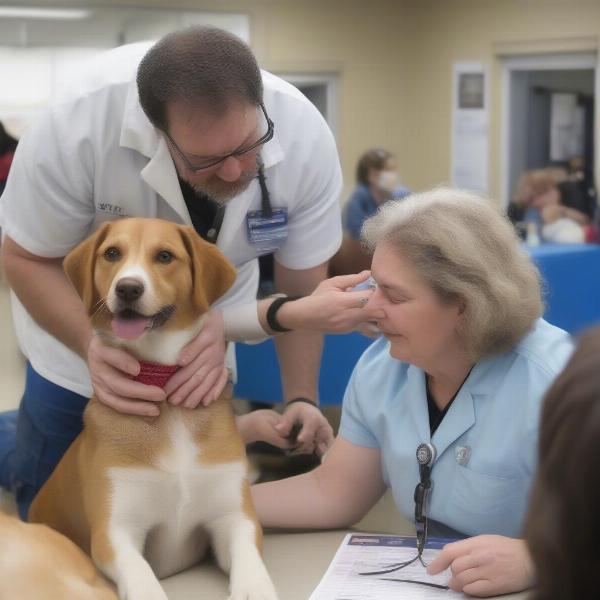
column 367, row 552
column 566, row 127
column 470, row 128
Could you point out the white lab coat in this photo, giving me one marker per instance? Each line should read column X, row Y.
column 93, row 156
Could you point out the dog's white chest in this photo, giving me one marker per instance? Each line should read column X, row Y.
column 174, row 499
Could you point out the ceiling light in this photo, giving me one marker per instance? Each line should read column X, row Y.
column 30, row 12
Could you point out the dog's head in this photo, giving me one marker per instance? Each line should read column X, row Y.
column 135, row 275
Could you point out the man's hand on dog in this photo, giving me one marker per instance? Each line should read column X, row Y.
column 202, row 375
column 315, row 435
column 201, row 378
column 111, row 370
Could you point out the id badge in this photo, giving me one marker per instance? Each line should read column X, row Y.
column 267, row 233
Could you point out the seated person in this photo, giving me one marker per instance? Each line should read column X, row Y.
column 560, row 207
column 579, row 172
column 462, row 367
column 376, row 183
column 563, row 522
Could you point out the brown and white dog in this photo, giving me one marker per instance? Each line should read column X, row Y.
column 143, row 495
column 38, row 563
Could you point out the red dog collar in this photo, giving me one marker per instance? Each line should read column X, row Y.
column 155, row 373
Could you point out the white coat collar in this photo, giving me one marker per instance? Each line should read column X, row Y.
column 160, row 174
column 137, row 132
column 272, row 152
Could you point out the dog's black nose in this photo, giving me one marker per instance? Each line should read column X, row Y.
column 129, row 289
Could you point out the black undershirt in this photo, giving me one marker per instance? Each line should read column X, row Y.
column 203, row 209
column 436, row 416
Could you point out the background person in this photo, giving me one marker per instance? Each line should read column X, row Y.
column 563, row 521
column 376, row 183
column 463, row 364
column 182, row 138
column 561, row 208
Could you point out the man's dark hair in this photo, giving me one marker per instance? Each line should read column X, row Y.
column 563, row 524
column 372, row 159
column 202, row 65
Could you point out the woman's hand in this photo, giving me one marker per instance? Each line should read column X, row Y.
column 315, row 434
column 331, row 308
column 486, row 565
column 111, row 370
column 203, row 375
column 266, row 425
column 260, row 426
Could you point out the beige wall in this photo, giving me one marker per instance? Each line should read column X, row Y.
column 394, row 61
column 479, row 30
column 366, row 47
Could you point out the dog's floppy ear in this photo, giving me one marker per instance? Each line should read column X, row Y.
column 79, row 266
column 212, row 272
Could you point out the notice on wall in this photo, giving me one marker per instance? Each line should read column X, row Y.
column 470, row 127
column 567, row 123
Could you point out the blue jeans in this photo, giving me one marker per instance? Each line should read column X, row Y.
column 48, row 420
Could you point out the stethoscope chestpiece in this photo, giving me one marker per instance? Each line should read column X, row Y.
column 426, row 455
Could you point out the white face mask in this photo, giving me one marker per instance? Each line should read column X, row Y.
column 388, row 180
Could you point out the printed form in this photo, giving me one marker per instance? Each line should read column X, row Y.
column 361, row 553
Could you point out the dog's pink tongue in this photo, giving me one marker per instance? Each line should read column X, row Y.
column 130, row 329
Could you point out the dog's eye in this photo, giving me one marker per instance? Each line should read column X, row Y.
column 112, row 254
column 164, row 256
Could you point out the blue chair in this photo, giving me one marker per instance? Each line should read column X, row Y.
column 258, row 369
column 571, row 277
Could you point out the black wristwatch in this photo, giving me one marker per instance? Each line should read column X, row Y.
column 301, row 399
column 272, row 321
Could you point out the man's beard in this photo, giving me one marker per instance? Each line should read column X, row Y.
column 221, row 191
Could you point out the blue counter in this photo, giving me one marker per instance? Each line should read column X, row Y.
column 571, row 284
column 258, row 369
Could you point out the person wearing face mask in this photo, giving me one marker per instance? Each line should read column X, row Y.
column 377, row 182
column 560, row 209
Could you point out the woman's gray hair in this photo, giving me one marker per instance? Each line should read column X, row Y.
column 468, row 252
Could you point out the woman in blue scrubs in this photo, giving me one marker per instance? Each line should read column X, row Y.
column 460, row 370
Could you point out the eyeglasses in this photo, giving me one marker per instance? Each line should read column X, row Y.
column 426, row 455
column 213, row 161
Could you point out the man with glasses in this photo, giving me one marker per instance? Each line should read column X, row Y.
column 196, row 134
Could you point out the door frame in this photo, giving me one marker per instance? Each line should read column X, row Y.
column 330, row 80
column 542, row 62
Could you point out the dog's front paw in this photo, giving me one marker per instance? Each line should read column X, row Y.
column 145, row 593
column 255, row 590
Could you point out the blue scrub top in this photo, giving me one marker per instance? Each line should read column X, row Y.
column 486, row 444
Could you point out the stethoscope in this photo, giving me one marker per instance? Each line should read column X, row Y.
column 426, row 455
column 265, row 197
column 215, row 228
